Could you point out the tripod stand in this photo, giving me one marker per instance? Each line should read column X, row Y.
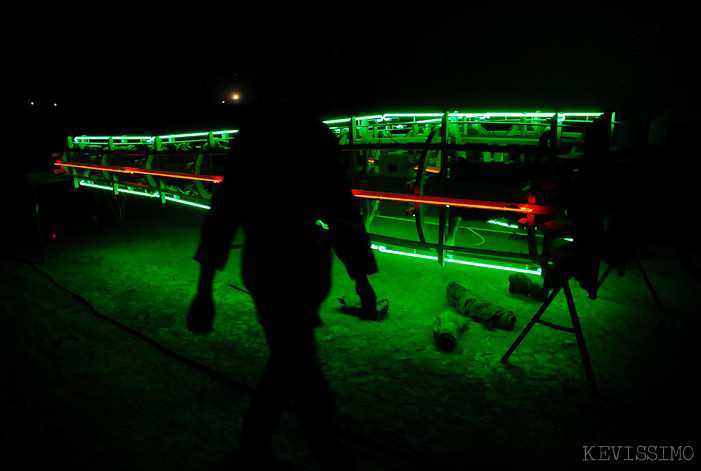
column 562, row 274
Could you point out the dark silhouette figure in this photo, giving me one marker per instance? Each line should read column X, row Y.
column 280, row 181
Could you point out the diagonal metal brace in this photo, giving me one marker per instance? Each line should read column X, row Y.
column 576, row 329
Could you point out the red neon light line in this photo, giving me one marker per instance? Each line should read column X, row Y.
column 141, row 171
column 416, row 199
column 460, row 203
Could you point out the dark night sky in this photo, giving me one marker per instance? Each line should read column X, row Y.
column 407, row 56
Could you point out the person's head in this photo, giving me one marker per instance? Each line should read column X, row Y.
column 292, row 78
column 312, row 76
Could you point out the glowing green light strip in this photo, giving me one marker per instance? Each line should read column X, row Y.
column 537, row 114
column 188, row 203
column 503, row 224
column 413, row 115
column 435, row 117
column 597, row 114
column 193, row 134
column 383, row 249
column 438, row 116
column 139, row 193
column 336, row 121
column 93, row 185
column 364, row 118
column 494, row 267
column 119, row 190
column 102, row 138
column 87, row 138
column 143, row 193
column 79, row 139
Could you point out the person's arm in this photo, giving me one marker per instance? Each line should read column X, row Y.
column 200, row 317
column 218, row 230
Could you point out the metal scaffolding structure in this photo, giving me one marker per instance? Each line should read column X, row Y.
column 432, row 170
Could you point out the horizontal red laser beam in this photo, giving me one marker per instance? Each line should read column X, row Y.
column 459, row 203
column 141, row 171
column 416, row 199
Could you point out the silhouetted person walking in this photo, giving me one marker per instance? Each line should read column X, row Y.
column 281, row 183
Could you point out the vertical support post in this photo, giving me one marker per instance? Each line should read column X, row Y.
column 445, row 171
column 613, row 127
column 524, row 132
column 369, row 211
column 442, row 216
column 71, row 145
column 555, row 133
column 158, row 145
column 453, row 224
column 530, row 227
column 103, row 161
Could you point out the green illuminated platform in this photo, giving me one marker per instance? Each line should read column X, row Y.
column 434, row 172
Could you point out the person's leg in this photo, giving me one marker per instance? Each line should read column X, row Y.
column 292, row 369
column 270, row 400
column 294, row 352
column 292, row 373
column 267, row 406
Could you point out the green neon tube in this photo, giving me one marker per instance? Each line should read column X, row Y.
column 93, row 185
column 87, row 138
column 495, row 267
column 78, row 139
column 151, row 195
column 383, row 249
column 139, row 193
column 503, row 224
column 119, row 190
column 191, row 134
column 413, row 115
column 363, row 118
column 435, row 117
column 188, row 203
column 336, row 121
column 597, row 114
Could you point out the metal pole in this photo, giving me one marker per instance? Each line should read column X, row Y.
column 530, row 325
